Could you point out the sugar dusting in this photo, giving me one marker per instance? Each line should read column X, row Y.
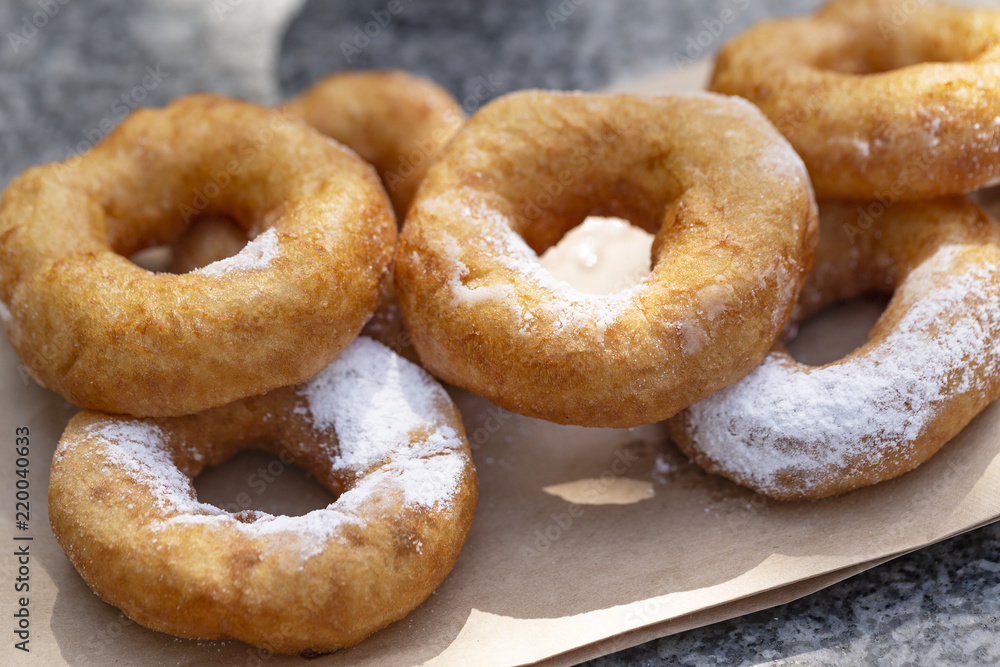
column 139, row 448
column 385, row 413
column 785, row 417
column 255, row 256
column 564, row 307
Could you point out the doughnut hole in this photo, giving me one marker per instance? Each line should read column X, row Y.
column 597, row 215
column 835, row 331
column 255, row 479
column 207, row 239
column 157, row 258
column 602, row 255
column 590, row 182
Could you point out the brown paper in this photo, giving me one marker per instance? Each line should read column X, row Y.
column 585, row 540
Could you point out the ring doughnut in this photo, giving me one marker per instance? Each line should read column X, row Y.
column 881, row 103
column 930, row 363
column 376, row 430
column 735, row 220
column 396, row 121
column 109, row 335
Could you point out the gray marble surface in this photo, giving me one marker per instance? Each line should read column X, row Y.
column 84, row 59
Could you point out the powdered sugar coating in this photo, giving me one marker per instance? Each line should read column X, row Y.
column 255, row 256
column 867, row 410
column 573, row 312
column 385, row 409
column 139, row 448
column 384, row 418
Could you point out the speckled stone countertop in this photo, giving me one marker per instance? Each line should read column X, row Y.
column 70, row 68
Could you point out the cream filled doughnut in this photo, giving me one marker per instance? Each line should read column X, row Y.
column 931, row 362
column 376, row 430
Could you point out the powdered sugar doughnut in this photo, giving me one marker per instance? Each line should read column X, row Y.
column 735, row 224
column 931, row 362
column 109, row 335
column 882, row 99
column 376, row 430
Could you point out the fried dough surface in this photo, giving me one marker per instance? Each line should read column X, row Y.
column 735, row 224
column 376, row 430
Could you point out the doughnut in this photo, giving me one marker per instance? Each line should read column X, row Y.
column 109, row 335
column 376, row 430
column 395, row 120
column 930, row 364
column 735, row 224
column 883, row 100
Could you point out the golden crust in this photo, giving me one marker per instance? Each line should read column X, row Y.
column 735, row 222
column 880, row 101
column 213, row 238
column 928, row 367
column 122, row 507
column 109, row 335
column 396, row 121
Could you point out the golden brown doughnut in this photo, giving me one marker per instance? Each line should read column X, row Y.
column 395, row 120
column 883, row 100
column 376, row 430
column 930, row 364
column 109, row 335
column 735, row 222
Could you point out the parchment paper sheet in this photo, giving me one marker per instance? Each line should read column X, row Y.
column 585, row 540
